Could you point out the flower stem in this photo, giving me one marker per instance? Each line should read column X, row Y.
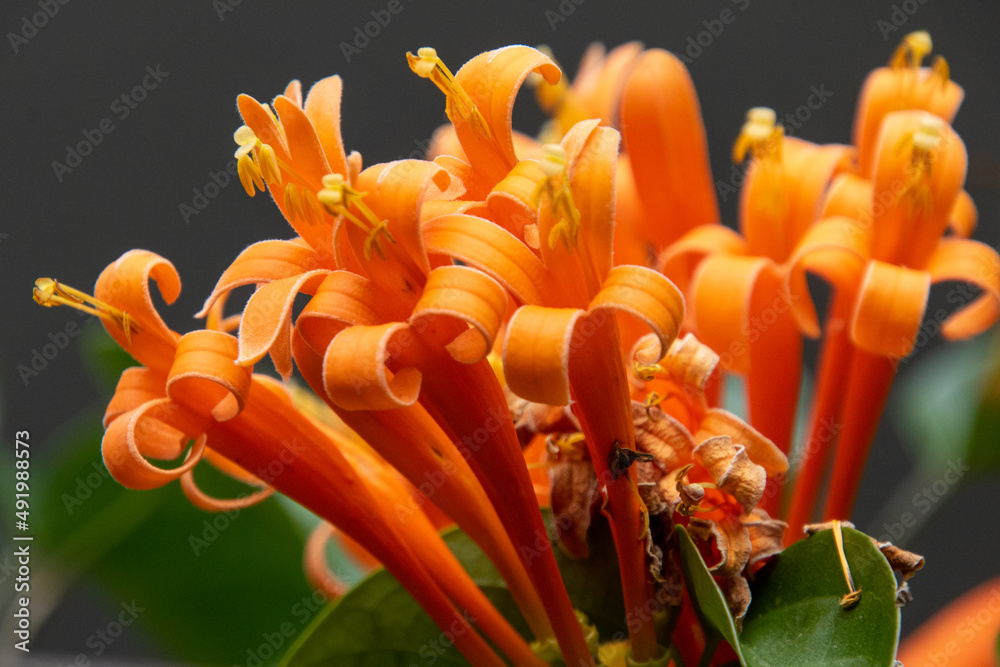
column 869, row 381
column 824, row 423
column 601, row 402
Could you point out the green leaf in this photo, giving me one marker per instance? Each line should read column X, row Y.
column 212, row 587
column 936, row 404
column 795, row 617
column 709, row 603
column 378, row 623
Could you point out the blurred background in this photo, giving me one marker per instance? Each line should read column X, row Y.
column 154, row 178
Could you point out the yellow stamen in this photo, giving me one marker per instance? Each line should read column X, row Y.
column 249, row 174
column 246, row 140
column 337, row 197
column 566, row 447
column 428, row 65
column 924, row 141
column 912, row 50
column 268, row 164
column 554, row 165
column 293, row 202
column 48, row 292
column 941, row 70
column 646, row 373
column 760, row 135
column 854, row 594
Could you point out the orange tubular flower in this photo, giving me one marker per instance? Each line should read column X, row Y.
column 737, row 285
column 667, row 151
column 193, row 389
column 880, row 247
column 563, row 342
column 359, row 233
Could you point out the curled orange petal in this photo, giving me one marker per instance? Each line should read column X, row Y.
column 469, row 295
column 136, row 386
column 665, row 140
column 354, row 373
column 205, row 502
column 536, row 353
column 153, row 429
column 489, row 248
column 265, row 262
column 834, row 248
column 322, row 106
column 125, row 285
column 971, row 262
column 889, row 309
column 205, row 376
column 268, row 314
column 303, row 144
column 720, row 301
column 964, row 216
column 492, row 80
column 890, row 89
column 646, row 295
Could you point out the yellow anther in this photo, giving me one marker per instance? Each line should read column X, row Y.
column 249, row 174
column 646, row 372
column 554, row 166
column 246, row 139
column 853, row 594
column 48, row 292
column 760, row 135
column 553, row 159
column 912, row 50
column 267, row 163
column 428, row 65
column 337, row 197
column 941, row 70
column 313, row 209
column 293, row 202
column 651, row 401
column 924, row 142
column 373, row 242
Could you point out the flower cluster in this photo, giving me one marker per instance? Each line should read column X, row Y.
column 517, row 321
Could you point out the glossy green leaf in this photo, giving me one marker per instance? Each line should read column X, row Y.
column 710, row 605
column 795, row 617
column 378, row 623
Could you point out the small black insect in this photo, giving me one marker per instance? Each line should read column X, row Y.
column 620, row 459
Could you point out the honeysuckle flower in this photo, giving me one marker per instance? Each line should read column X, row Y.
column 403, row 328
column 564, row 341
column 193, row 390
column 880, row 246
column 736, row 285
column 594, row 93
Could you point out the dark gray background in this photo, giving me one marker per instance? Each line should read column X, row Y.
column 126, row 194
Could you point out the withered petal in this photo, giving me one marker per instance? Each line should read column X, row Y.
column 733, row 471
column 574, row 495
column 737, row 593
column 761, row 451
column 766, row 535
column 900, row 560
column 661, row 435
